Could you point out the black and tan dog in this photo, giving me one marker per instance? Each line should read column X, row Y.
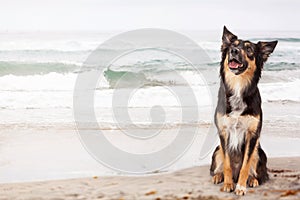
column 238, row 117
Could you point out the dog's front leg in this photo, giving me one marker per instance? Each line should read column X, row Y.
column 228, row 182
column 228, row 185
column 250, row 147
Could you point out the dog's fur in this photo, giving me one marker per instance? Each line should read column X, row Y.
column 239, row 158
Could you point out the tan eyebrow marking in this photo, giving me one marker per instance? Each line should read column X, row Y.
column 236, row 42
column 247, row 44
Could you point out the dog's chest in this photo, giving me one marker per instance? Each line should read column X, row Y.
column 237, row 103
column 237, row 126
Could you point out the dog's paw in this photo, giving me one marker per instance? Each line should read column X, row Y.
column 227, row 187
column 240, row 190
column 218, row 178
column 253, row 182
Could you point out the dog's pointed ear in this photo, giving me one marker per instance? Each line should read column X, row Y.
column 228, row 37
column 266, row 48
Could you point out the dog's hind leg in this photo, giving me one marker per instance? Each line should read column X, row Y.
column 258, row 173
column 252, row 181
column 261, row 169
column 216, row 168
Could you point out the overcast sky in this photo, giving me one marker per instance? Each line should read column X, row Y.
column 133, row 14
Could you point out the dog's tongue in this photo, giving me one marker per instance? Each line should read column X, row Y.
column 234, row 65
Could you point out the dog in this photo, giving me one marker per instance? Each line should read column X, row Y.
column 238, row 117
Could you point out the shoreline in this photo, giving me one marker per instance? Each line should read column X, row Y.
column 61, row 155
column 63, row 119
column 32, row 151
column 190, row 183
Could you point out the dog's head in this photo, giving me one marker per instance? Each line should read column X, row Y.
column 238, row 55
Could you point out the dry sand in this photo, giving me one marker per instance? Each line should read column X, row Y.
column 191, row 183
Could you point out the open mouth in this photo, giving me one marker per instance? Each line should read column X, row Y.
column 234, row 64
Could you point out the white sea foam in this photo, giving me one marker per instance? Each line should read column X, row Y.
column 280, row 91
column 56, row 90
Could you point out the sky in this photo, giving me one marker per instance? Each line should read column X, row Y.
column 85, row 15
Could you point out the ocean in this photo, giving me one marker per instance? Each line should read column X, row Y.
column 39, row 70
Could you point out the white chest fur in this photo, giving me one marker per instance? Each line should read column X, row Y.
column 236, row 126
column 236, row 130
column 236, row 102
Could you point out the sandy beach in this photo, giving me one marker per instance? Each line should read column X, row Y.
column 191, row 183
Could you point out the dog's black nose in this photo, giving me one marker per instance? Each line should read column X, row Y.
column 234, row 51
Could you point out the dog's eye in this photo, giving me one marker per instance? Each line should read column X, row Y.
column 249, row 50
